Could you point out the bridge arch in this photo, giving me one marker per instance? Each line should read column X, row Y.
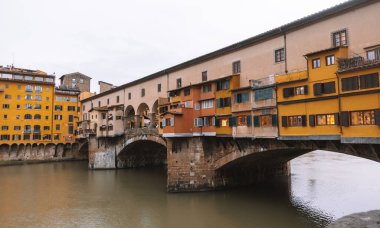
column 143, row 119
column 241, row 164
column 142, row 150
column 129, row 117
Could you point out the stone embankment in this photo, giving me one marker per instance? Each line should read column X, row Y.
column 370, row 219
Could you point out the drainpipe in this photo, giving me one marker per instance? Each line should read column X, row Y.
column 286, row 51
column 339, row 103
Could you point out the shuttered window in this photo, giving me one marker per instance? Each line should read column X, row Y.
column 369, row 81
column 274, row 120
column 311, row 120
column 288, row 92
column 351, row 83
column 284, row 121
column 256, row 121
column 232, row 121
column 324, row 88
column 249, row 121
column 241, row 97
column 223, row 102
column 344, row 119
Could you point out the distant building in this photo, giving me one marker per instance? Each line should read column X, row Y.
column 105, row 86
column 33, row 110
column 76, row 80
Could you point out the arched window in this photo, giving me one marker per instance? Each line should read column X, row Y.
column 27, row 117
column 37, row 106
column 28, row 106
column 37, row 117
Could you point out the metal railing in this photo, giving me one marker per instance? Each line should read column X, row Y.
column 356, row 62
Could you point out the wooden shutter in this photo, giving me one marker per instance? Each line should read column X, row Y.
column 217, row 122
column 312, row 120
column 306, row 89
column 304, row 119
column 288, row 92
column 284, row 121
column 344, row 119
column 256, row 121
column 377, row 117
column 336, row 118
column 317, row 89
column 232, row 121
column 249, row 121
column 274, row 120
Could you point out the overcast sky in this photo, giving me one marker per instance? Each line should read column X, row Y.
column 119, row 41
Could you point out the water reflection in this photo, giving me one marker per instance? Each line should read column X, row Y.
column 322, row 187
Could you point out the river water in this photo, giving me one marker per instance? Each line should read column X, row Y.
column 323, row 186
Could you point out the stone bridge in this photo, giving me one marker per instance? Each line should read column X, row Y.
column 209, row 163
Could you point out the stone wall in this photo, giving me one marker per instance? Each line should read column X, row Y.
column 43, row 152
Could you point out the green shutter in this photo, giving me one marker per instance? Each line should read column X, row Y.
column 249, row 121
column 217, row 122
column 284, row 121
column 274, row 120
column 232, row 121
column 256, row 121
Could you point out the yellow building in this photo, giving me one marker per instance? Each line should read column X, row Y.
column 223, row 113
column 27, row 110
column 66, row 114
column 360, row 98
column 308, row 100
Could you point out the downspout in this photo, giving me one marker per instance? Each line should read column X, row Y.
column 339, row 104
column 286, row 51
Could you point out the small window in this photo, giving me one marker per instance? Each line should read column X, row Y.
column 186, row 92
column 206, row 88
column 351, row 83
column 5, row 106
column 81, row 81
column 117, row 99
column 363, row 118
column 179, row 83
column 99, row 103
column 373, row 54
column 301, row 90
column 57, row 127
column 316, row 63
column 129, row 96
column 369, row 81
column 108, row 101
column 339, row 38
column 142, row 92
column 204, row 76
column 236, row 67
column 329, row 119
column 330, row 60
column 159, row 87
column 279, row 55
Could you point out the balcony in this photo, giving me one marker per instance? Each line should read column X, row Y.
column 357, row 62
column 290, row 77
column 263, row 82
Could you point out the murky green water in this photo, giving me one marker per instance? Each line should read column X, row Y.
column 323, row 186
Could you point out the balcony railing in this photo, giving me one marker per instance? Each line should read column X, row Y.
column 263, row 82
column 356, row 62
